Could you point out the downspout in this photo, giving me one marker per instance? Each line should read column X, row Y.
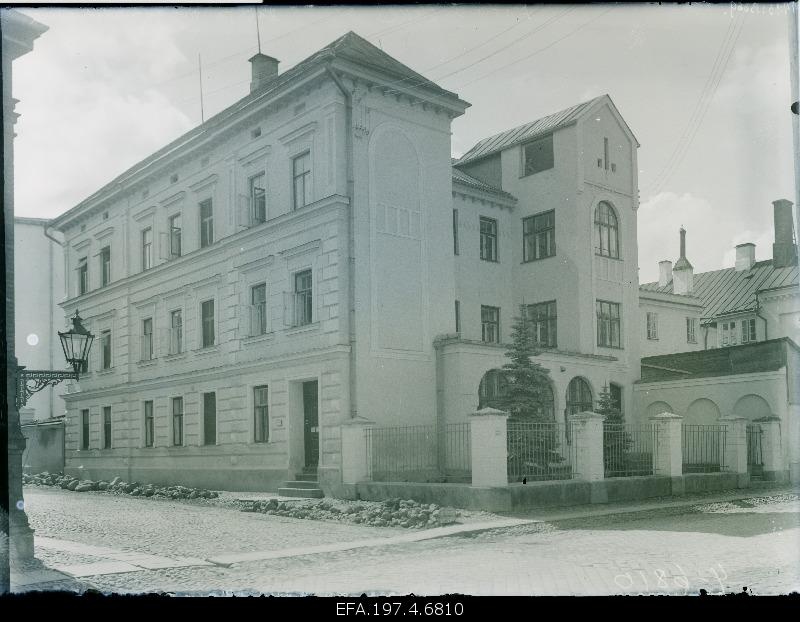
column 705, row 337
column 348, row 98
column 758, row 314
column 51, row 307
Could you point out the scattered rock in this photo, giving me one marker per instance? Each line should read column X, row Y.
column 73, row 484
column 85, row 487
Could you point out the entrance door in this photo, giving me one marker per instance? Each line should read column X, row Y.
column 311, row 423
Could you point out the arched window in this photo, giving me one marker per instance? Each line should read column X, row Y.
column 546, row 409
column 606, row 231
column 493, row 385
column 579, row 396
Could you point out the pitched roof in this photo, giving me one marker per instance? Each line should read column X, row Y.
column 349, row 47
column 728, row 291
column 468, row 180
column 520, row 134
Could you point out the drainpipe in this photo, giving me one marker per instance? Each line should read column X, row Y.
column 348, row 98
column 51, row 307
column 705, row 337
column 758, row 314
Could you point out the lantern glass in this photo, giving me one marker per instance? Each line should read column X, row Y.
column 76, row 343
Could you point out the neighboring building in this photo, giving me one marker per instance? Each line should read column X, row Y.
column 311, row 254
column 39, row 278
column 751, row 302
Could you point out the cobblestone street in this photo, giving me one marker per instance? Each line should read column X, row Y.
column 124, row 544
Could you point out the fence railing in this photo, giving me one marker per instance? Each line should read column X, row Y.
column 629, row 449
column 539, row 452
column 703, row 448
column 419, row 453
column 755, row 453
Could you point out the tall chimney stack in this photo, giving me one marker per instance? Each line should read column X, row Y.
column 784, row 251
column 263, row 69
column 664, row 272
column 683, row 272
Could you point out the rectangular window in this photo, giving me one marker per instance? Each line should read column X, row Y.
column 176, row 332
column 608, row 324
column 490, row 324
column 302, row 298
column 105, row 349
column 544, row 319
column 539, row 236
column 258, row 309
column 652, row 325
column 458, row 316
column 177, row 421
column 83, row 275
column 175, row 236
column 147, row 248
column 729, row 334
column 261, row 414
column 149, row 426
column 206, row 224
column 207, row 321
column 147, row 339
column 537, row 156
column 488, row 227
column 105, row 265
column 85, row 429
column 209, row 418
column 258, row 197
column 691, row 330
column 748, row 330
column 455, row 232
column 301, row 178
column 106, row 427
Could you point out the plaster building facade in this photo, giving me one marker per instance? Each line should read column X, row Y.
column 39, row 278
column 312, row 255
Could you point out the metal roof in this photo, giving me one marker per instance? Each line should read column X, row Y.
column 469, row 180
column 520, row 134
column 728, row 291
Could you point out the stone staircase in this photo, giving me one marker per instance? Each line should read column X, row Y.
column 306, row 485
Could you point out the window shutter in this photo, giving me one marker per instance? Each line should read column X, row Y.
column 163, row 245
column 242, row 212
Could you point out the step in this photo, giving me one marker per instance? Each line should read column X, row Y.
column 306, row 477
column 309, row 493
column 302, row 483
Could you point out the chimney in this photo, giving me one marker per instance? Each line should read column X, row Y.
column 784, row 251
column 683, row 272
column 263, row 69
column 664, row 272
column 745, row 256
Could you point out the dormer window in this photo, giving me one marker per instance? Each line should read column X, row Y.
column 537, row 156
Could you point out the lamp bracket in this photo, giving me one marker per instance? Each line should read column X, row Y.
column 38, row 379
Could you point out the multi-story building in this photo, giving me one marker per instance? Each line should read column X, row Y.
column 311, row 254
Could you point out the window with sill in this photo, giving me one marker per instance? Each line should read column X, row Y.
column 490, row 324
column 258, row 310
column 175, row 233
column 606, row 231
column 729, row 334
column 258, row 198
column 539, row 236
column 301, row 180
column 206, row 223
column 83, row 275
column 105, row 350
column 488, row 231
column 579, row 396
column 652, row 325
column 147, row 340
column 147, row 248
column 544, row 322
column 261, row 414
column 176, row 332
column 106, row 427
column 691, row 330
column 209, row 418
column 149, row 425
column 85, row 428
column 303, row 301
column 608, row 324
column 207, row 323
column 748, row 330
column 177, row 421
column 105, row 265
column 538, row 156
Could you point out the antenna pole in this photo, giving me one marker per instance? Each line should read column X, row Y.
column 258, row 30
column 200, row 71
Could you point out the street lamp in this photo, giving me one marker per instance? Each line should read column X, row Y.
column 76, row 344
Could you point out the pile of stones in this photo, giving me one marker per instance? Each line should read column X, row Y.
column 389, row 513
column 117, row 486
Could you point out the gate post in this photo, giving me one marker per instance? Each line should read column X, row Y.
column 668, row 449
column 355, row 464
column 774, row 467
column 587, row 431
column 736, row 449
column 488, row 430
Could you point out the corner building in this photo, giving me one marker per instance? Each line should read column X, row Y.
column 311, row 254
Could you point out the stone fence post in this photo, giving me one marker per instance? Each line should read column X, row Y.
column 488, row 430
column 587, row 439
column 355, row 459
column 772, row 448
column 736, row 448
column 668, row 446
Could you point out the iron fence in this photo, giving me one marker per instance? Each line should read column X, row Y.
column 755, row 454
column 419, row 453
column 539, row 451
column 629, row 449
column 703, row 448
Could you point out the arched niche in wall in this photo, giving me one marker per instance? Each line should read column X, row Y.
column 656, row 408
column 702, row 412
column 752, row 407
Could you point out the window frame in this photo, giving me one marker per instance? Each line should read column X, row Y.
column 524, row 172
column 609, row 321
column 651, row 320
column 308, row 298
column 105, row 265
column 206, row 222
column 251, row 190
column 490, row 323
column 261, row 415
column 149, row 353
column 550, row 322
column 147, row 248
column 149, row 424
column 580, row 405
column 85, row 429
column 105, row 357
column 532, row 233
column 305, row 176
column 748, row 330
column 487, row 237
column 263, row 314
column 180, row 417
column 204, row 321
column 603, row 229
column 83, row 275
column 171, row 228
column 172, row 328
column 105, row 413
column 691, row 330
column 455, row 231
column 206, row 419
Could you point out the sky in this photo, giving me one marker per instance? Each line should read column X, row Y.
column 705, row 89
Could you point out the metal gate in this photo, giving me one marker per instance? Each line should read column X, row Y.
column 755, row 454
